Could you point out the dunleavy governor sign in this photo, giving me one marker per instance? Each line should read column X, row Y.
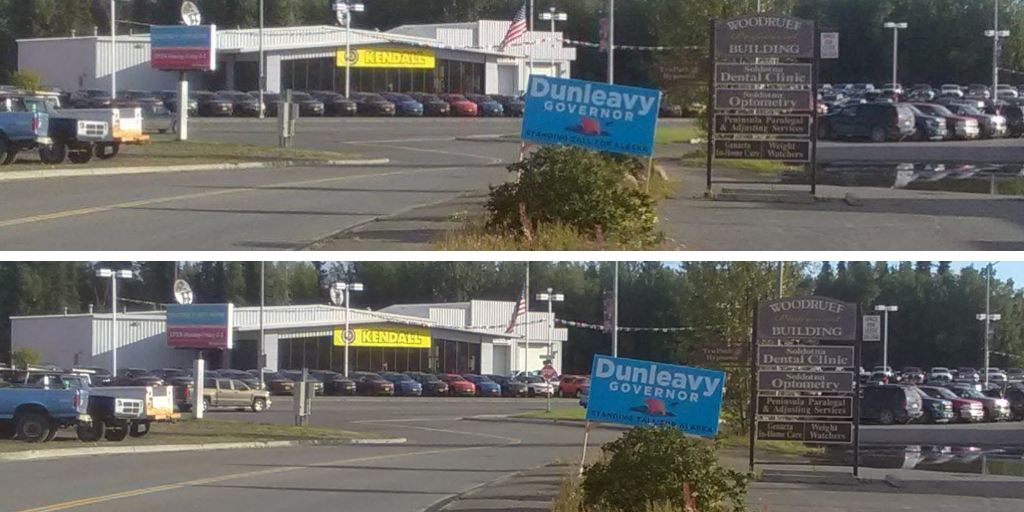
column 633, row 392
column 807, row 318
column 592, row 115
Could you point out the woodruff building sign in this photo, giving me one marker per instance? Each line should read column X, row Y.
column 764, row 36
column 813, row 318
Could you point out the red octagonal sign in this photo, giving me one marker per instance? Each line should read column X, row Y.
column 548, row 372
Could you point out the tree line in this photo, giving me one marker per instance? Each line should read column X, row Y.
column 709, row 303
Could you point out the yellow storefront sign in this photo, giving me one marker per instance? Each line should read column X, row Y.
column 404, row 58
column 387, row 337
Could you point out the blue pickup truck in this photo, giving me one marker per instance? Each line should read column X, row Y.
column 35, row 411
column 22, row 130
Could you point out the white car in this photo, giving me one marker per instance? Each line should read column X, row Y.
column 951, row 90
column 1006, row 91
column 535, row 386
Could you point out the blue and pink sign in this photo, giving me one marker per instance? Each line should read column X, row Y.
column 593, row 115
column 203, row 326
column 183, row 48
column 633, row 392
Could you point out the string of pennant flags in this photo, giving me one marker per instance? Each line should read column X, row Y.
column 596, row 327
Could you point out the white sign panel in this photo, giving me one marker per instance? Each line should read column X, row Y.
column 872, row 328
column 830, row 45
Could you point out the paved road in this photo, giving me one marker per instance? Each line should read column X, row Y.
column 284, row 209
column 444, row 456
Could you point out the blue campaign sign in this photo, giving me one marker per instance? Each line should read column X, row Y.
column 592, row 115
column 634, row 392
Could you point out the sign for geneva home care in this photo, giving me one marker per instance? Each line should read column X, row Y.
column 634, row 392
column 592, row 115
column 807, row 318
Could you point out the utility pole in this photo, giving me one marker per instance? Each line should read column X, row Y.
column 611, row 41
column 263, row 87
column 263, row 304
column 615, row 313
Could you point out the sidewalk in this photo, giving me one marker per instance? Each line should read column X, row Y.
column 826, row 490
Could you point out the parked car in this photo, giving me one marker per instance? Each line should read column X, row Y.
column 249, row 380
column 1014, row 374
column 457, row 385
column 278, row 384
column 404, row 384
column 170, row 99
column 509, row 387
column 928, row 126
column 432, row 105
column 1006, row 91
column 997, row 376
column 569, row 385
column 912, row 374
column 968, row 374
column 1014, row 115
column 22, row 130
column 991, row 126
column 878, row 122
column 536, row 386
column 234, row 393
column 296, row 376
column 940, row 373
column 889, row 403
column 486, row 106
column 484, row 385
column 432, row 385
column 1015, row 395
column 460, row 106
column 210, row 105
column 996, row 409
column 668, row 109
column 957, row 126
column 334, row 383
column 129, row 98
column 91, row 98
column 978, row 91
column 967, row 410
column 335, row 104
column 71, row 138
column 36, row 412
column 242, row 104
column 372, row 384
column 514, row 105
column 271, row 102
column 308, row 105
column 951, row 91
column 167, row 374
column 935, row 409
column 371, row 104
column 585, row 395
column 404, row 104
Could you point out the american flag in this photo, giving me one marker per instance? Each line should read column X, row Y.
column 516, row 29
column 520, row 309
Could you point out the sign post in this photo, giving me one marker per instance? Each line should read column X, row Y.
column 191, row 47
column 805, row 390
column 762, row 102
column 548, row 373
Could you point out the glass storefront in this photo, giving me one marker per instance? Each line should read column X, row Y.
column 319, row 353
column 323, row 74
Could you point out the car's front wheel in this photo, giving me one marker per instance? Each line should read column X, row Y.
column 878, row 134
column 259, row 405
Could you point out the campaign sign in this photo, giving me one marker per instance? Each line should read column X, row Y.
column 592, row 115
column 637, row 393
column 203, row 326
column 183, row 48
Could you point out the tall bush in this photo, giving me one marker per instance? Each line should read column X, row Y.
column 585, row 190
column 648, row 466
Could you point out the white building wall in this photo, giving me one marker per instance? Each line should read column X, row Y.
column 486, row 357
column 142, row 343
column 134, row 70
column 63, row 341
column 74, row 70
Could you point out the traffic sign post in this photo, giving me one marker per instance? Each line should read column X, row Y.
column 548, row 373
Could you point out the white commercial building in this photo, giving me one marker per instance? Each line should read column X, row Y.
column 467, row 60
column 525, row 350
column 295, row 337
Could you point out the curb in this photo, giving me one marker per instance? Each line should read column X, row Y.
column 497, row 418
column 489, row 138
column 166, row 448
column 115, row 171
column 444, row 502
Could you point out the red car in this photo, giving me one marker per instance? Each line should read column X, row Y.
column 457, row 384
column 460, row 105
column 967, row 411
column 570, row 385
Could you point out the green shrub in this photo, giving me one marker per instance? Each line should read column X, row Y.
column 647, row 466
column 27, row 80
column 587, row 191
column 26, row 356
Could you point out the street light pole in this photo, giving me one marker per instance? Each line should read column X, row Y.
column 551, row 298
column 262, row 87
column 553, row 15
column 113, row 275
column 988, row 317
column 615, row 313
column 611, row 41
column 347, row 338
column 344, row 12
column 263, row 303
column 896, row 27
column 885, row 335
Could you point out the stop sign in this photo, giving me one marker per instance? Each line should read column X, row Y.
column 548, row 372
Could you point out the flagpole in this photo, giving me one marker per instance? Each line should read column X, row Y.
column 526, row 328
column 530, row 49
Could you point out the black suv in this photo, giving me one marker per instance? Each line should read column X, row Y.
column 888, row 404
column 877, row 122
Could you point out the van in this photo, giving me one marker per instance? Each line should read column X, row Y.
column 888, row 404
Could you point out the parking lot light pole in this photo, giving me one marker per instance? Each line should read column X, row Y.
column 344, row 12
column 995, row 35
column 113, row 49
column 113, row 275
column 346, row 337
column 262, row 85
column 896, row 27
column 988, row 317
column 885, row 331
column 551, row 298
column 553, row 15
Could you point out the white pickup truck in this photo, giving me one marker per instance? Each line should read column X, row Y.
column 125, row 127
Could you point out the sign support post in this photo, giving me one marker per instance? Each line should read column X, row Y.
column 182, row 106
column 197, row 388
column 752, row 412
column 856, row 396
column 710, row 112
column 586, row 436
column 816, row 64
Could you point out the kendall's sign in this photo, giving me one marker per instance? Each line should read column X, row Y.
column 807, row 318
column 764, row 35
column 592, row 115
column 634, row 392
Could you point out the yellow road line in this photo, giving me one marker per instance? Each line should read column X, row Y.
column 147, row 202
column 191, row 483
column 511, row 440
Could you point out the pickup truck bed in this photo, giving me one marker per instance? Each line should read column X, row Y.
column 35, row 415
